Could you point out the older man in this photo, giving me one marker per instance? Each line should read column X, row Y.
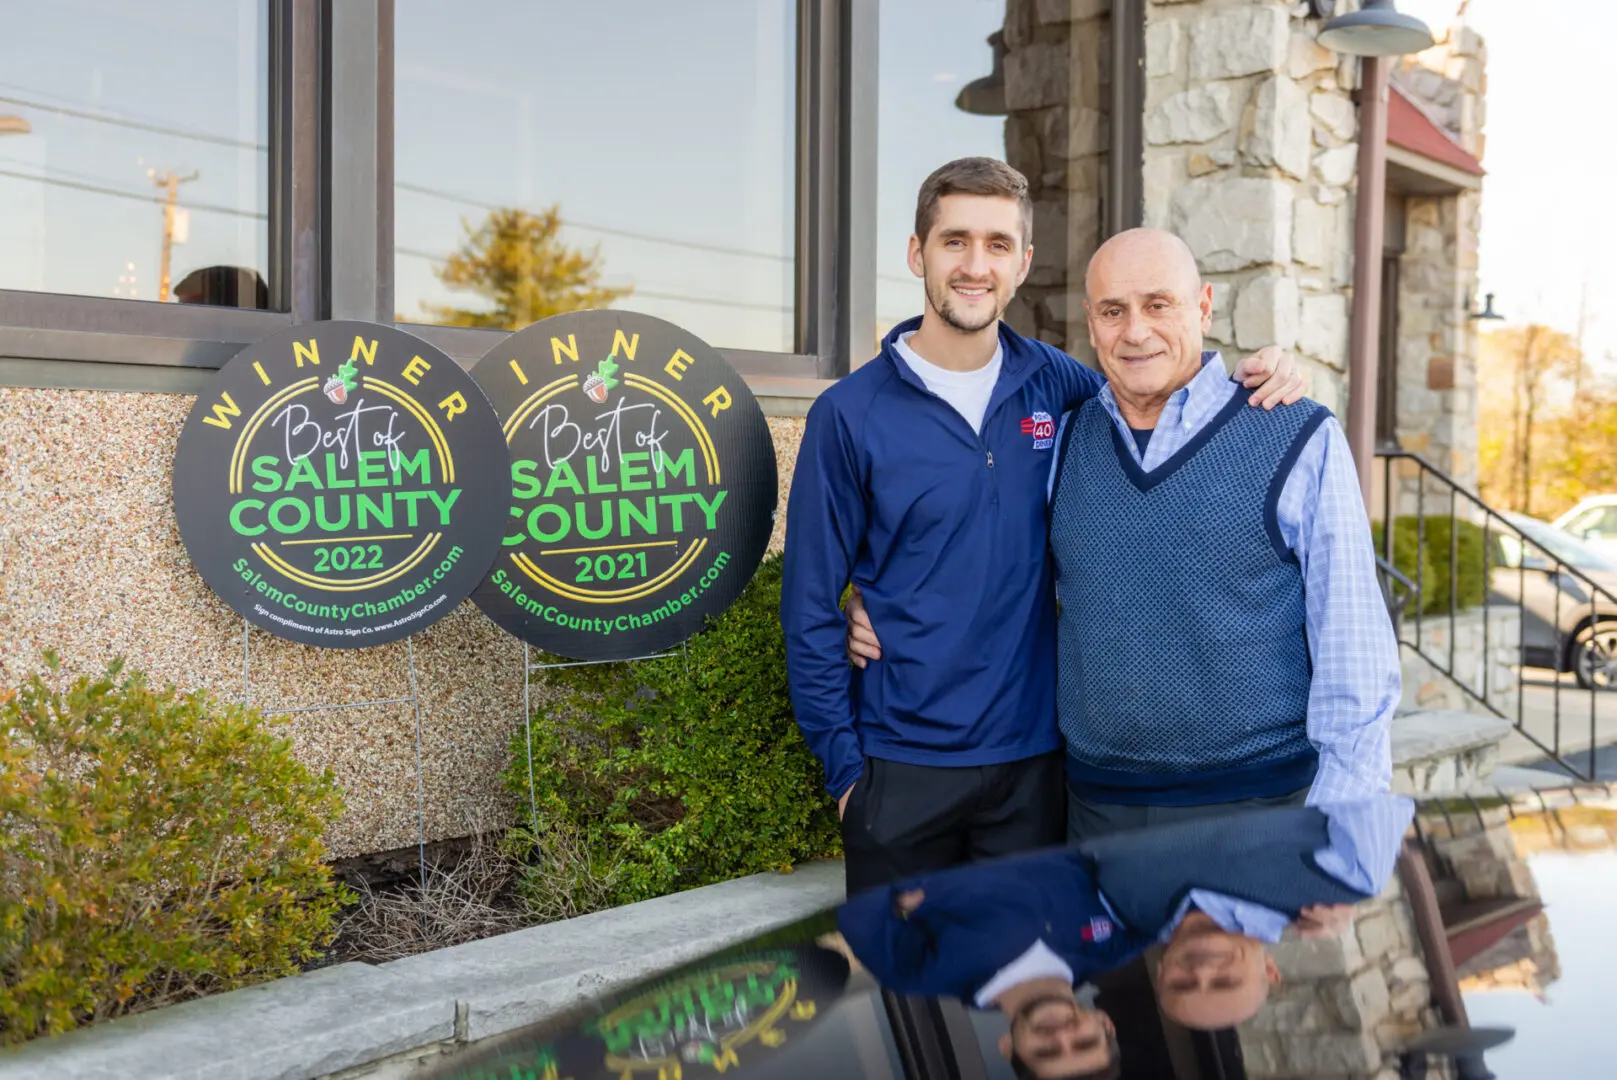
column 1212, row 892
column 1222, row 643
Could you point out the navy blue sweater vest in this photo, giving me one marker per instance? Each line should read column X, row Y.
column 1264, row 858
column 1183, row 670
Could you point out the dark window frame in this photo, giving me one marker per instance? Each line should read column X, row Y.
column 331, row 219
column 1394, row 227
column 96, row 342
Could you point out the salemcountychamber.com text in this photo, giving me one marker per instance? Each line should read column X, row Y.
column 344, row 612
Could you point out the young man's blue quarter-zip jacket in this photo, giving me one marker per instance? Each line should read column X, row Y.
column 945, row 532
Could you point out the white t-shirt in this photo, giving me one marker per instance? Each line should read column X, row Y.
column 967, row 391
column 1039, row 962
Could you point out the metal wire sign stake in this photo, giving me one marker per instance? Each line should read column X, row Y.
column 414, row 701
column 528, row 668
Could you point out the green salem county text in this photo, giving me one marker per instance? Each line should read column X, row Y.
column 293, row 514
column 634, row 516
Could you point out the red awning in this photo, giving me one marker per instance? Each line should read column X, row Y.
column 1412, row 129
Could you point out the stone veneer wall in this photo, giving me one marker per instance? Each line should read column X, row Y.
column 1344, row 1003
column 91, row 565
column 1437, row 342
column 1057, row 74
column 1485, row 659
column 1250, row 154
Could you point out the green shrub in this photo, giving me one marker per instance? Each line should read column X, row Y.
column 667, row 774
column 153, row 847
column 1433, row 554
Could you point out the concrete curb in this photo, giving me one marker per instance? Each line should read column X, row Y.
column 351, row 1015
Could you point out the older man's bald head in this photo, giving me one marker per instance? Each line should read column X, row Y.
column 1142, row 253
column 1148, row 310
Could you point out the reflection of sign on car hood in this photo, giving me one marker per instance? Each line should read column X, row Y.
column 725, row 1016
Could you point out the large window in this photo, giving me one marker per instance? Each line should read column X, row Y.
column 744, row 168
column 133, row 149
column 551, row 156
column 930, row 51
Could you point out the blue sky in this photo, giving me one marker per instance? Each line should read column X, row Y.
column 1548, row 222
column 675, row 131
column 197, row 66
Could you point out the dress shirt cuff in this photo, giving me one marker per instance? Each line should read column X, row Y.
column 1365, row 839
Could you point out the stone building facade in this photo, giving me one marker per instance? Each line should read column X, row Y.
column 1250, row 152
column 1434, row 395
column 1250, row 133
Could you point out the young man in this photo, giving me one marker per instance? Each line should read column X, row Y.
column 921, row 479
column 1018, row 935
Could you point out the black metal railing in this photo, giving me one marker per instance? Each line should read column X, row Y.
column 1561, row 612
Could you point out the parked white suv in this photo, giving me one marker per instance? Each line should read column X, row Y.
column 1594, row 521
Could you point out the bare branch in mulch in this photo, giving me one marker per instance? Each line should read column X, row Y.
column 458, row 901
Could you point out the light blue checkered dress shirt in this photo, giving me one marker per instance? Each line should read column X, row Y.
column 1366, row 836
column 1356, row 682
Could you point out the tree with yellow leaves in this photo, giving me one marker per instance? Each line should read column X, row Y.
column 1547, row 427
column 517, row 261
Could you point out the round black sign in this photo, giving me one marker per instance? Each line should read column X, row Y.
column 341, row 484
column 642, row 484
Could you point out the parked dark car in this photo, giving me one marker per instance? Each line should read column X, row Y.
column 1568, row 593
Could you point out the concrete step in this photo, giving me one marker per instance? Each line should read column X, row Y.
column 1443, row 750
column 1516, row 780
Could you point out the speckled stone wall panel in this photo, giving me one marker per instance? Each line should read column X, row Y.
column 91, row 565
column 787, row 431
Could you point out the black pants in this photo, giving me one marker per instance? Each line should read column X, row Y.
column 908, row 819
column 1088, row 820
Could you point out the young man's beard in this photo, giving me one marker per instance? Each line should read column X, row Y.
column 942, row 301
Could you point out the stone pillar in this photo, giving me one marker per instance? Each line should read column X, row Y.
column 1056, row 98
column 1437, row 342
column 1250, row 156
column 1437, row 347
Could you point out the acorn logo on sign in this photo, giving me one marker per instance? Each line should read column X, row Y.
column 341, row 484
column 642, row 484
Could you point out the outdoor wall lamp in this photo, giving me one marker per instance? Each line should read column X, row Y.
column 1376, row 30
column 1487, row 311
column 986, row 96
